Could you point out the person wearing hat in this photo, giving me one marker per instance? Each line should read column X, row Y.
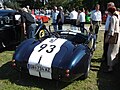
column 29, row 25
column 60, row 18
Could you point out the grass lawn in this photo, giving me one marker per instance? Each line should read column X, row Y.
column 97, row 80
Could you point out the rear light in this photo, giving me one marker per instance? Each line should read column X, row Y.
column 67, row 73
column 14, row 65
column 13, row 61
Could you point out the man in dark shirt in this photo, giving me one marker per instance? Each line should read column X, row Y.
column 29, row 25
column 60, row 18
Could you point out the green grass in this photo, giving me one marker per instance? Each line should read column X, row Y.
column 98, row 80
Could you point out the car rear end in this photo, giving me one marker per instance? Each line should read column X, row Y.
column 68, row 63
column 74, row 65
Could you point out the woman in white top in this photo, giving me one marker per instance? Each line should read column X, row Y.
column 82, row 19
column 113, row 49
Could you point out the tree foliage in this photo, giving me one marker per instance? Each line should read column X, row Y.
column 12, row 4
column 88, row 4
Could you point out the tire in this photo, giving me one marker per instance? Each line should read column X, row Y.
column 86, row 74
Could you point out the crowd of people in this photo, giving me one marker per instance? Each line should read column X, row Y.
column 111, row 49
column 77, row 19
column 57, row 18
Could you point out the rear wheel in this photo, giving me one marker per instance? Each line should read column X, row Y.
column 87, row 70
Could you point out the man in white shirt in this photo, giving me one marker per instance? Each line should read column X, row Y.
column 96, row 18
column 73, row 18
column 81, row 17
column 54, row 18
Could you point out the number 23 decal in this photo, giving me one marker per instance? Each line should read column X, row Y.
column 43, row 46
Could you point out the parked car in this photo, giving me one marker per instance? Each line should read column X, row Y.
column 67, row 19
column 61, row 55
column 40, row 16
column 10, row 28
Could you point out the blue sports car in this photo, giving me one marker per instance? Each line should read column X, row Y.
column 62, row 55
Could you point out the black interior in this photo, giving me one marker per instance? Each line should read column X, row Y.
column 77, row 38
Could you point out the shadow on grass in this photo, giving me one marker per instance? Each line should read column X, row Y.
column 7, row 72
column 10, row 48
column 107, row 81
column 95, row 67
column 111, row 80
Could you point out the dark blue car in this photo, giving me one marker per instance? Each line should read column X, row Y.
column 62, row 55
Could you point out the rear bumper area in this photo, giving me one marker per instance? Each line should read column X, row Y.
column 57, row 73
column 20, row 66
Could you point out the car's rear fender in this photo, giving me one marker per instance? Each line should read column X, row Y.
column 79, row 59
column 76, row 62
column 24, row 50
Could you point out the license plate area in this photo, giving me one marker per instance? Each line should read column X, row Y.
column 38, row 68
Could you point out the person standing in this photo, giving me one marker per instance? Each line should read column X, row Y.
column 81, row 18
column 54, row 18
column 73, row 18
column 1, row 6
column 105, row 44
column 60, row 18
column 29, row 25
column 113, row 48
column 28, row 8
column 96, row 18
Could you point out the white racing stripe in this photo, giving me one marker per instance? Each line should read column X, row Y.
column 41, row 58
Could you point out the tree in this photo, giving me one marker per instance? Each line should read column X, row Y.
column 11, row 4
column 89, row 4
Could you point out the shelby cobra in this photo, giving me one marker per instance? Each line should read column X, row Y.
column 10, row 28
column 62, row 55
